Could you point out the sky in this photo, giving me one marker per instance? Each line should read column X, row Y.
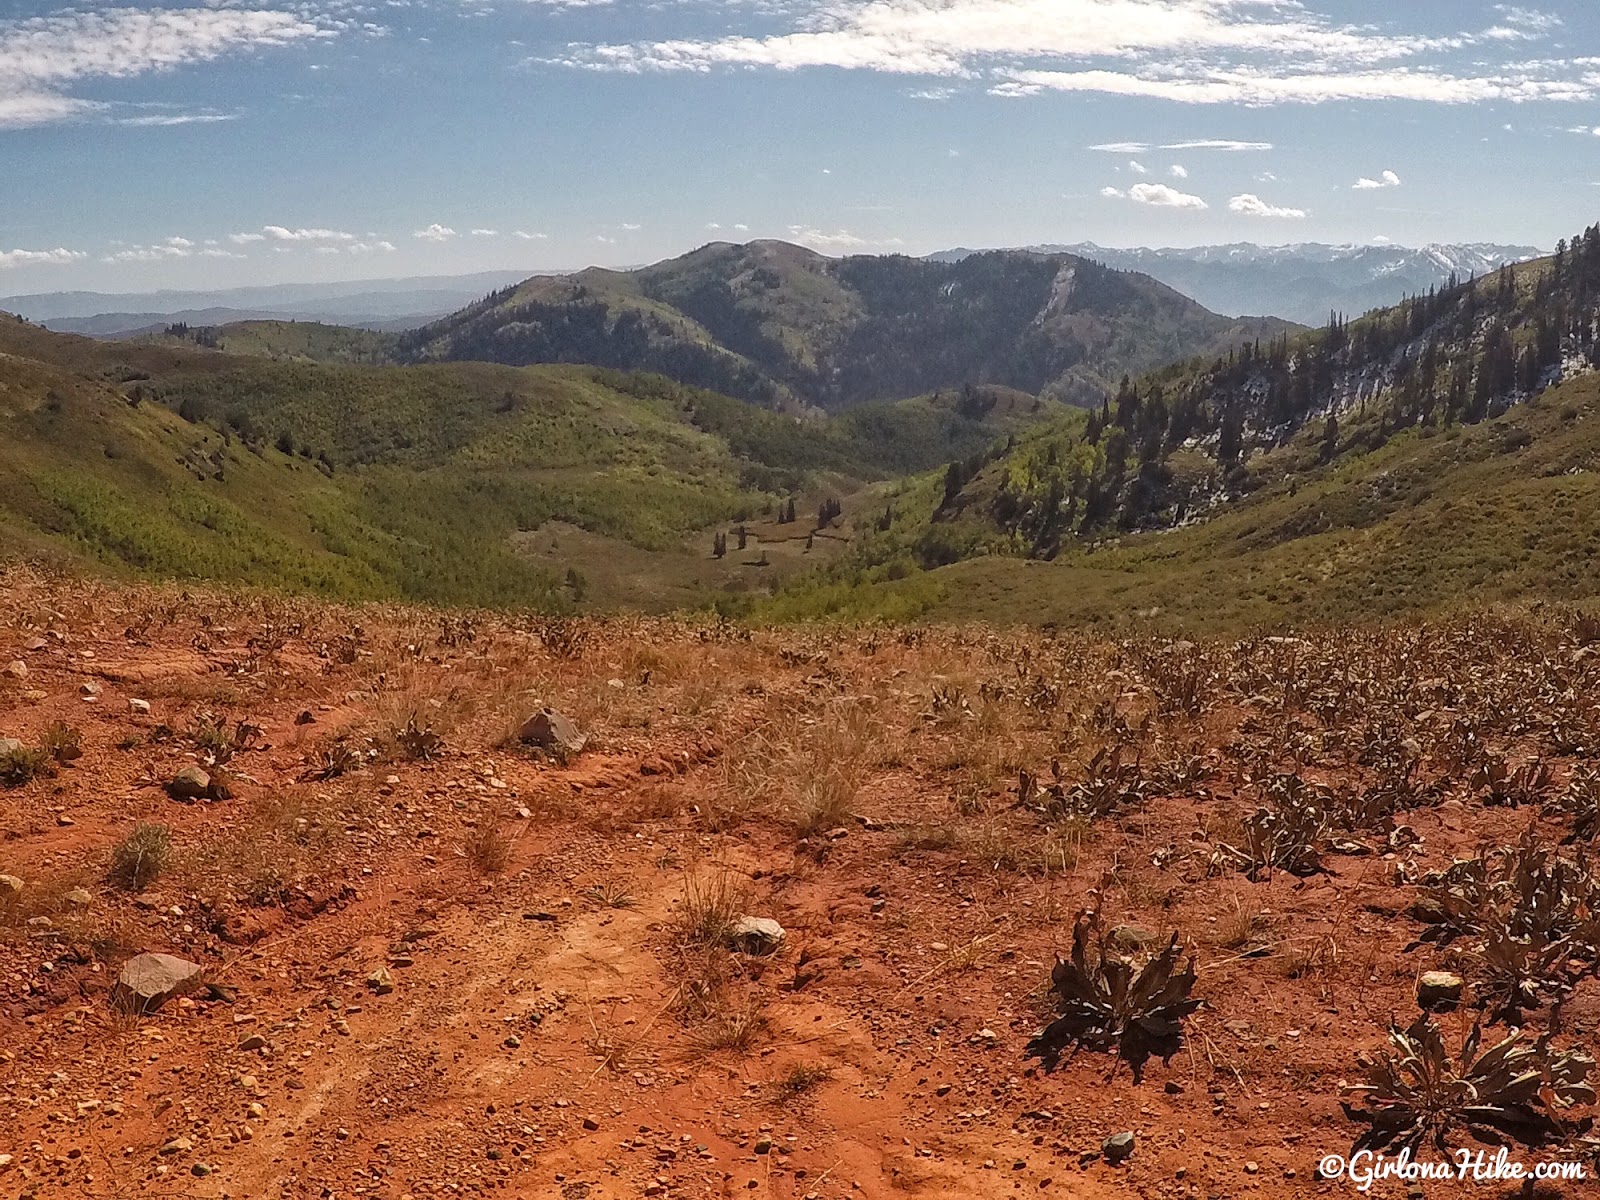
column 232, row 142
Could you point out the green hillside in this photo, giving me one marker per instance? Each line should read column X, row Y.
column 782, row 326
column 1433, row 454
column 169, row 459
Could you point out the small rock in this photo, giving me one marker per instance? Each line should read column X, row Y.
column 10, row 889
column 15, row 669
column 192, row 783
column 178, row 1145
column 201, row 1169
column 254, row 1042
column 89, row 690
column 381, row 982
column 1118, row 1147
column 1439, row 990
column 1133, row 937
column 763, row 1145
column 305, row 718
column 9, row 746
column 64, row 820
column 80, row 897
column 1251, row 1168
column 553, row 731
column 756, row 935
column 591, row 1124
column 5, row 1161
column 139, row 707
column 512, row 1041
column 147, row 981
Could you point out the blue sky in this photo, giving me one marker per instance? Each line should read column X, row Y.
column 256, row 141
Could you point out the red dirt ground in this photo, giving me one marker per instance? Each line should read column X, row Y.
column 539, row 1039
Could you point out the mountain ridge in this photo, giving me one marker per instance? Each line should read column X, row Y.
column 780, row 325
column 1301, row 281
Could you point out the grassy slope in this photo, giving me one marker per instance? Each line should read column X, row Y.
column 365, row 481
column 1508, row 509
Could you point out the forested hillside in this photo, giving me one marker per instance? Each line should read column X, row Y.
column 781, row 326
column 1171, row 446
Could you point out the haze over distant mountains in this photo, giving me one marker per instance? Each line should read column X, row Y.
column 391, row 304
column 1301, row 282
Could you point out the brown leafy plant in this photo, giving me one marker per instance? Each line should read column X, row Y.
column 1513, row 1091
column 1112, row 1002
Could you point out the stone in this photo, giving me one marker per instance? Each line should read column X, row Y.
column 591, row 1124
column 89, row 689
column 15, row 669
column 1118, row 1147
column 192, row 784
column 1439, row 990
column 10, row 889
column 763, row 1145
column 9, row 746
column 1133, row 937
column 147, row 981
column 80, row 897
column 756, row 935
column 551, row 730
column 178, row 1145
column 139, row 707
column 380, row 981
column 254, row 1042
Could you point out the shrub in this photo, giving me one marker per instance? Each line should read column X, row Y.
column 1513, row 1091
column 1109, row 1002
column 141, row 857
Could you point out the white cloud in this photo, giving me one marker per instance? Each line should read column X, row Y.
column 1156, row 195
column 1254, row 52
column 172, row 247
column 842, row 240
column 1138, row 168
column 435, row 233
column 1248, row 205
column 1224, row 144
column 525, row 236
column 60, row 256
column 630, row 227
column 485, row 233
column 164, row 120
column 42, row 56
column 369, row 247
column 279, row 233
column 742, row 228
column 1179, row 171
column 1387, row 180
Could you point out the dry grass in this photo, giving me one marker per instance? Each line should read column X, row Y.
column 487, row 848
column 141, row 858
column 709, row 908
column 801, row 1079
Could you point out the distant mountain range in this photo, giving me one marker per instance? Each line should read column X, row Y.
column 1300, row 283
column 390, row 304
column 782, row 326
